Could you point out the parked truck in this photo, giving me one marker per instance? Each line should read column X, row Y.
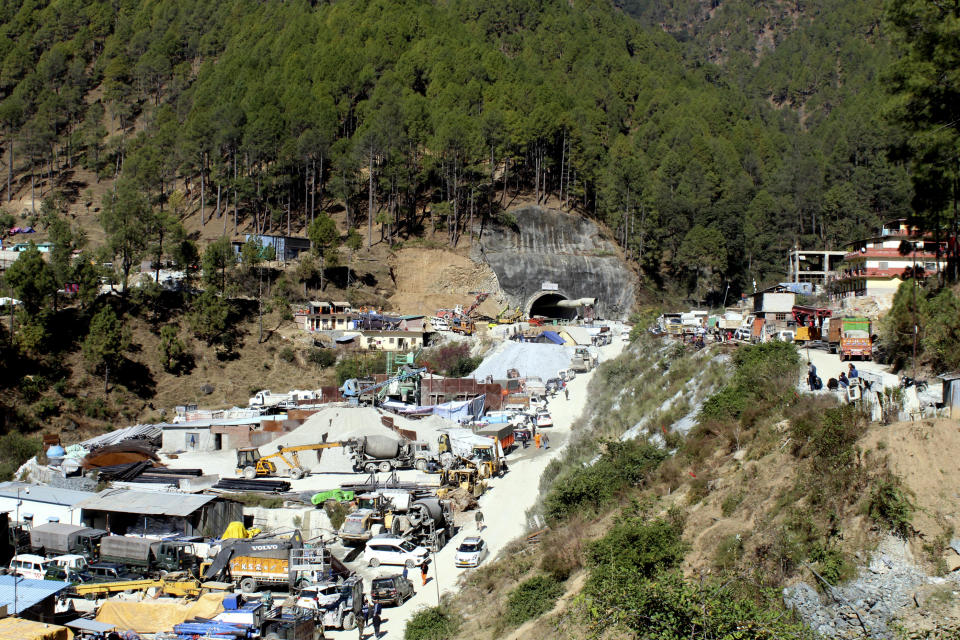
column 425, row 521
column 850, row 337
column 266, row 398
column 384, row 454
column 583, row 361
column 59, row 538
column 147, row 556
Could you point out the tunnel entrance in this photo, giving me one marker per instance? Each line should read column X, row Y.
column 546, row 305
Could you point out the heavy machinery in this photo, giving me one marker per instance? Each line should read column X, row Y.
column 462, row 325
column 809, row 322
column 427, row 521
column 273, row 561
column 358, row 391
column 508, row 315
column 462, row 448
column 338, row 602
column 177, row 587
column 250, row 464
column 384, row 454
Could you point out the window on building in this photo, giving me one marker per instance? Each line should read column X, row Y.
column 781, row 316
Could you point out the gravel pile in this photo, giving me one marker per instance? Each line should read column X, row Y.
column 340, row 422
column 529, row 358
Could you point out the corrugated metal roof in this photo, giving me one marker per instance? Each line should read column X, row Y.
column 143, row 431
column 43, row 493
column 146, row 503
column 193, row 424
column 28, row 592
column 94, row 626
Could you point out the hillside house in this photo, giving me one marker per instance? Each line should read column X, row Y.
column 775, row 306
column 875, row 267
column 391, row 340
column 40, row 504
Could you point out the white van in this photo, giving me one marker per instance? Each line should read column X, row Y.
column 71, row 561
column 28, row 565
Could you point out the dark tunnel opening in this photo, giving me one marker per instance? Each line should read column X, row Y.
column 546, row 306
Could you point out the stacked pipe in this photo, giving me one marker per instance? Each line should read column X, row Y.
column 242, row 484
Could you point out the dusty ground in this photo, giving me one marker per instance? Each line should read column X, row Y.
column 431, row 279
column 925, row 455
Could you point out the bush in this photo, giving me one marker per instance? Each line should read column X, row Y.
column 432, row 623
column 622, row 464
column 640, row 547
column 288, row 355
column 890, row 506
column 173, row 353
column 532, row 598
column 322, row 358
column 728, row 553
column 730, row 503
column 337, row 513
column 451, row 360
column 45, row 407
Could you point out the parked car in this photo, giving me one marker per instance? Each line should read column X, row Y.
column 743, row 333
column 471, row 552
column 66, row 574
column 110, row 572
column 394, row 550
column 28, row 565
column 393, row 589
column 785, row 335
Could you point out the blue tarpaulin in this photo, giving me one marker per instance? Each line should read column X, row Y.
column 553, row 337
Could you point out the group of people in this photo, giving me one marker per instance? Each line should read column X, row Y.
column 373, row 614
column 843, row 381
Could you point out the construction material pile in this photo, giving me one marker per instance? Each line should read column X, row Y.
column 528, row 358
column 341, row 423
column 261, row 485
column 145, row 472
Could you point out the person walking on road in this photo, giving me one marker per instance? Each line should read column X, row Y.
column 812, row 377
column 566, row 392
column 377, row 620
column 361, row 621
column 536, row 440
column 424, row 568
column 546, row 442
column 479, row 519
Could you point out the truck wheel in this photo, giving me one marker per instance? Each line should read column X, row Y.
column 370, row 467
column 349, row 622
column 248, row 585
column 249, row 473
column 385, row 467
column 297, row 472
column 421, row 465
column 374, row 562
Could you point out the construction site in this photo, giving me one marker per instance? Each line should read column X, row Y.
column 287, row 516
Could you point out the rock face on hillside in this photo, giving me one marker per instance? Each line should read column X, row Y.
column 557, row 247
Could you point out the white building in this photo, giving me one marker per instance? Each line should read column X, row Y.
column 40, row 504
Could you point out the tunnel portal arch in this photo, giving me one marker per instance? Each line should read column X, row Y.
column 544, row 303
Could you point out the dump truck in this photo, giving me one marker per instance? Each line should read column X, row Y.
column 147, row 556
column 277, row 562
column 384, row 454
column 59, row 538
column 850, row 337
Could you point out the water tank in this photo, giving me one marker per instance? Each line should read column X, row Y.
column 56, row 451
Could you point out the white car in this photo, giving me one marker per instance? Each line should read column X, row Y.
column 394, row 550
column 471, row 552
column 28, row 565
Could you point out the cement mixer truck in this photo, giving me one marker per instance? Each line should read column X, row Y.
column 384, row 454
column 427, row 521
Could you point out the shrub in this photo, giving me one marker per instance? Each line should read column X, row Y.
column 729, row 551
column 730, row 503
column 322, row 358
column 173, row 353
column 287, row 354
column 890, row 506
column 622, row 464
column 432, row 623
column 337, row 513
column 639, row 546
column 45, row 407
column 451, row 360
column 532, row 598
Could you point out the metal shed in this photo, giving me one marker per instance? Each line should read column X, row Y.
column 120, row 512
column 951, row 393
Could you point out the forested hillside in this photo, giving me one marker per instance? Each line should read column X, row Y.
column 416, row 115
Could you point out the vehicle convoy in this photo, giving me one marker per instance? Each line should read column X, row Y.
column 850, row 337
column 384, row 454
column 251, row 464
column 393, row 589
column 146, row 556
column 58, row 538
column 338, row 602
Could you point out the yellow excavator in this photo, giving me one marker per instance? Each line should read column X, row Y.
column 250, row 464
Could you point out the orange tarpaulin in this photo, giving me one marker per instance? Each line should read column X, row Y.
column 153, row 617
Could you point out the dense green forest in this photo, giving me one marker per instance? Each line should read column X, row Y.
column 707, row 163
